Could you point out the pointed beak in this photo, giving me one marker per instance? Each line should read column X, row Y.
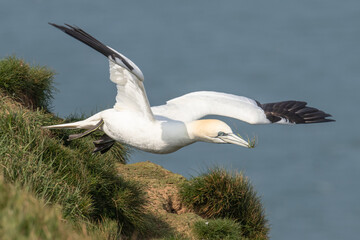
column 234, row 139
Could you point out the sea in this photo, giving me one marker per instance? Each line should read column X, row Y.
column 306, row 175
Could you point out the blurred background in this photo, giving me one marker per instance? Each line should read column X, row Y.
column 307, row 175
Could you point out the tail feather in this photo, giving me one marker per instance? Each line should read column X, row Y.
column 73, row 125
column 88, row 123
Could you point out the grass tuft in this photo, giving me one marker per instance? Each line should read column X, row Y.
column 30, row 85
column 85, row 185
column 219, row 194
column 174, row 237
column 252, row 142
column 22, row 216
column 217, row 229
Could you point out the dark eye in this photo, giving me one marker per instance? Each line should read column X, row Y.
column 221, row 134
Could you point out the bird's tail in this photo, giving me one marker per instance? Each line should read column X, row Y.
column 92, row 124
column 73, row 125
column 88, row 123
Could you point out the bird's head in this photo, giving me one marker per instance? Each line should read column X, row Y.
column 215, row 131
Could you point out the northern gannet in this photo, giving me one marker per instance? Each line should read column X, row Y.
column 167, row 128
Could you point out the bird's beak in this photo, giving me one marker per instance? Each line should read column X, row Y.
column 234, row 139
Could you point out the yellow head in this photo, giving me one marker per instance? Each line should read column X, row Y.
column 214, row 131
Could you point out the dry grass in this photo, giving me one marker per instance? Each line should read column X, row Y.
column 161, row 187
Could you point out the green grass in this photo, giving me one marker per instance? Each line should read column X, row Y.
column 30, row 85
column 219, row 194
column 54, row 189
column 86, row 186
column 174, row 237
column 22, row 216
column 217, row 229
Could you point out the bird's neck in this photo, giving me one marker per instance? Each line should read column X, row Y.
column 200, row 130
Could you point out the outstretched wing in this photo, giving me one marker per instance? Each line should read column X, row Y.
column 196, row 105
column 131, row 95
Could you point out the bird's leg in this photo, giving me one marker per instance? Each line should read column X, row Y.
column 103, row 144
column 87, row 132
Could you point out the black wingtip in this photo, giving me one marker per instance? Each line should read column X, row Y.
column 296, row 112
column 57, row 26
column 92, row 42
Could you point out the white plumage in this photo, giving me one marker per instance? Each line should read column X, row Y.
column 178, row 123
column 196, row 105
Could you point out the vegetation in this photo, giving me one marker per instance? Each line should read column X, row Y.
column 219, row 194
column 22, row 216
column 161, row 188
column 85, row 185
column 54, row 189
column 218, row 229
column 31, row 85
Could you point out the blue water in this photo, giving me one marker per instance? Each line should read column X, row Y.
column 308, row 176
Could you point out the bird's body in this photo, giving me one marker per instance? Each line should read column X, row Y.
column 128, row 127
column 167, row 128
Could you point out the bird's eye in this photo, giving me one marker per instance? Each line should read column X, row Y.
column 221, row 134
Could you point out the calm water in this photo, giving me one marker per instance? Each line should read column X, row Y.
column 308, row 176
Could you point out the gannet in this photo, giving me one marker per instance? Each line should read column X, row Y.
column 178, row 123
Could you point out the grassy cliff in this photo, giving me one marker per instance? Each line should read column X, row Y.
column 54, row 189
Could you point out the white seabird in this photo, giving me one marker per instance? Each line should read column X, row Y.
column 167, row 128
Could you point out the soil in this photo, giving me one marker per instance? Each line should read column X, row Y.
column 161, row 187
